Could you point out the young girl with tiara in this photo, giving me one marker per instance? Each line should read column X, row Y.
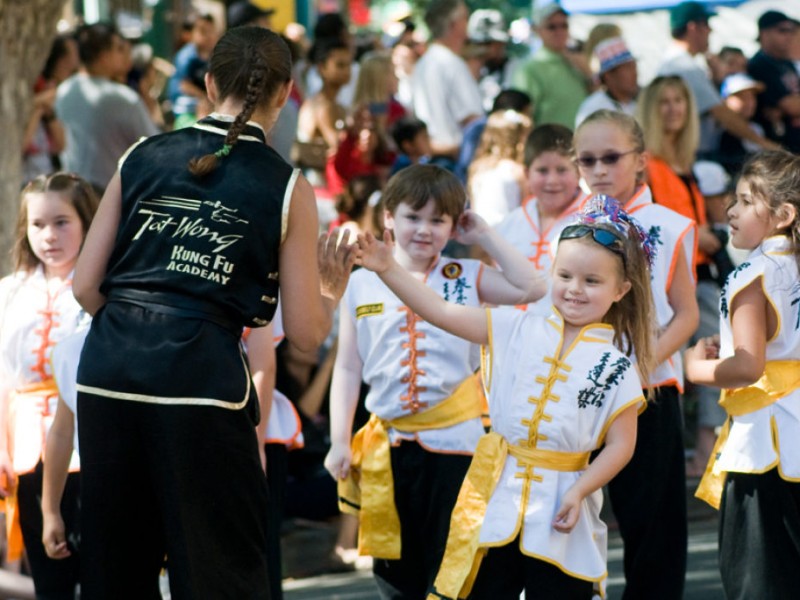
column 197, row 233
column 649, row 495
column 527, row 515
column 37, row 310
column 755, row 467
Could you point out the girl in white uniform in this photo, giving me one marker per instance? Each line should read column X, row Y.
column 403, row 472
column 755, row 467
column 527, row 515
column 37, row 310
column 649, row 495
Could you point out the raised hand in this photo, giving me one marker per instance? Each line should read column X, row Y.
column 375, row 255
column 470, row 228
column 335, row 261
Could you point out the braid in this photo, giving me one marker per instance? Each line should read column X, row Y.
column 205, row 164
column 255, row 87
column 249, row 64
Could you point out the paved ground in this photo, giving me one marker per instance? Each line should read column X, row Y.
column 304, row 546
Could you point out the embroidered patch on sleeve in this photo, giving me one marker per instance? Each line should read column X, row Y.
column 368, row 310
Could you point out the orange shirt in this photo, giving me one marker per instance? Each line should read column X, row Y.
column 684, row 197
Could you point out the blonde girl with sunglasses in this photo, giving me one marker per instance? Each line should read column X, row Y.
column 649, row 494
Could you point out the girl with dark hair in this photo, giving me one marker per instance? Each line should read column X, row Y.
column 197, row 231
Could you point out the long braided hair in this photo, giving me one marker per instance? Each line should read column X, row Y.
column 248, row 63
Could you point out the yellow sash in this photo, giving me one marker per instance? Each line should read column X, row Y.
column 462, row 555
column 780, row 378
column 368, row 490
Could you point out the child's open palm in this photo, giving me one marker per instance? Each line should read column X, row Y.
column 374, row 254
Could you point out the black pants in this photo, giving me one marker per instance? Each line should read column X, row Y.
column 648, row 498
column 53, row 579
column 759, row 537
column 505, row 572
column 426, row 485
column 181, row 481
column 277, row 468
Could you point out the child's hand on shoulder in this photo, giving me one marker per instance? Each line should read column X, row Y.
column 569, row 511
column 471, row 227
column 373, row 254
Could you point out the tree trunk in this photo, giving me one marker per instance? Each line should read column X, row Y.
column 27, row 29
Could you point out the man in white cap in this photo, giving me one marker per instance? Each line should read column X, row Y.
column 779, row 104
column 487, row 29
column 618, row 74
column 556, row 79
column 740, row 93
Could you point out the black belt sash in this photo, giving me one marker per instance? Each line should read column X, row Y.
column 176, row 305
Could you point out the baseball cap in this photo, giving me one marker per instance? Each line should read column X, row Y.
column 712, row 179
column 487, row 25
column 739, row 82
column 610, row 54
column 773, row 18
column 688, row 12
column 243, row 12
column 544, row 9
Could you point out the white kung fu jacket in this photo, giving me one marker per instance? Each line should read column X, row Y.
column 538, row 401
column 409, row 364
column 523, row 230
column 770, row 436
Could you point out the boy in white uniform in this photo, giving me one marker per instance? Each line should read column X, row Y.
column 426, row 405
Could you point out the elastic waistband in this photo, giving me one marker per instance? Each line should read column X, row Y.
column 176, row 305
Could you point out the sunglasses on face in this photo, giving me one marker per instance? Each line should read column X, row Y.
column 556, row 26
column 612, row 158
column 606, row 238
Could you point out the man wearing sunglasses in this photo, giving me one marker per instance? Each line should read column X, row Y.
column 779, row 104
column 556, row 79
column 689, row 23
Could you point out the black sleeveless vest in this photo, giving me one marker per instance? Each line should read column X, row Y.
column 206, row 244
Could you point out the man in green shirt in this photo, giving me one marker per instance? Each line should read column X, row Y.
column 556, row 79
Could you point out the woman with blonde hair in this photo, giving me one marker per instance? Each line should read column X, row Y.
column 668, row 115
column 376, row 88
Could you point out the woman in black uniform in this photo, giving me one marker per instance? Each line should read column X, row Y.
column 193, row 238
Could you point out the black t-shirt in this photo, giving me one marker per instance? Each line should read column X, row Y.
column 781, row 79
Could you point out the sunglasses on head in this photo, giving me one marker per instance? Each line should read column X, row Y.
column 612, row 158
column 606, row 238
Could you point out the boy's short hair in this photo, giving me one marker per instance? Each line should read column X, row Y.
column 548, row 138
column 406, row 129
column 323, row 49
column 417, row 184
